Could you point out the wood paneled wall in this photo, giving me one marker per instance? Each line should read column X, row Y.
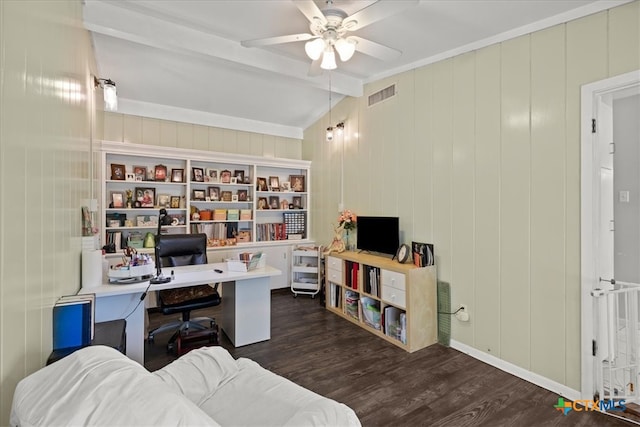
column 480, row 155
column 143, row 130
column 46, row 110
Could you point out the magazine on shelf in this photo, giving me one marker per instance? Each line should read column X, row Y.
column 423, row 254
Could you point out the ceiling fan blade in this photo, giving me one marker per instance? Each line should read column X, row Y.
column 375, row 12
column 375, row 49
column 277, row 40
column 314, row 69
column 310, row 10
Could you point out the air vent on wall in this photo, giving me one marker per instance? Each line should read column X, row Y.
column 381, row 95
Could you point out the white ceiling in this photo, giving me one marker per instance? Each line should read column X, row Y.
column 182, row 60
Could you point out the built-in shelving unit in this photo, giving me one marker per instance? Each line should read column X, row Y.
column 222, row 195
column 394, row 301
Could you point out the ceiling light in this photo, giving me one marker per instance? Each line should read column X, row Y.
column 329, row 59
column 109, row 92
column 314, row 48
column 340, row 129
column 329, row 134
column 345, row 48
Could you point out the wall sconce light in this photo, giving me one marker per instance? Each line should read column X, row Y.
column 109, row 90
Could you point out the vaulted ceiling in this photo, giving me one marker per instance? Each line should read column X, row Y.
column 183, row 60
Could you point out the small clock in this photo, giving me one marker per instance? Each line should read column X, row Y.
column 402, row 255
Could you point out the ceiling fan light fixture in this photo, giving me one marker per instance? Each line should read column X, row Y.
column 314, row 48
column 345, row 48
column 329, row 59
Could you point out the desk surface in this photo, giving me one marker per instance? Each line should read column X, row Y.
column 184, row 276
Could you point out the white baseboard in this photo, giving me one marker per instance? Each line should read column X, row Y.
column 519, row 372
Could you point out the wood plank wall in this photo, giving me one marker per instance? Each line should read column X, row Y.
column 480, row 155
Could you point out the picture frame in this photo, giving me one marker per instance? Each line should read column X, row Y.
column 213, row 174
column 225, row 176
column 261, row 184
column 118, row 172
column 239, row 174
column 177, row 175
column 233, row 180
column 297, row 202
column 117, row 199
column 285, row 186
column 199, row 195
column 226, row 196
column 164, row 200
column 214, row 193
column 242, row 195
column 146, row 196
column 197, row 175
column 297, row 183
column 263, row 203
column 274, row 202
column 174, row 202
column 160, row 173
column 140, row 173
column 130, row 176
column 284, row 204
column 274, row 183
column 234, row 197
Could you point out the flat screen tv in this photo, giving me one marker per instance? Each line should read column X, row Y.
column 379, row 234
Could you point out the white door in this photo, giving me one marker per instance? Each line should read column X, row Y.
column 601, row 198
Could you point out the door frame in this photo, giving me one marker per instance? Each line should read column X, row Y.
column 590, row 212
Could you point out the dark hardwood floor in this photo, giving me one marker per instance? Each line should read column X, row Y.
column 386, row 386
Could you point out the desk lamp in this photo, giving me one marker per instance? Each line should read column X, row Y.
column 163, row 219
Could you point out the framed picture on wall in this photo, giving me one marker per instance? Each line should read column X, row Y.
column 177, row 175
column 197, row 174
column 118, row 172
column 297, row 182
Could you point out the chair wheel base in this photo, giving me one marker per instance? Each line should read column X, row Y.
column 189, row 340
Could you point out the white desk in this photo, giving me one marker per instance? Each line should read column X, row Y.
column 246, row 303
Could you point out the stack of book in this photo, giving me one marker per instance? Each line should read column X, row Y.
column 73, row 321
column 220, row 215
column 245, row 214
column 351, row 302
column 233, row 214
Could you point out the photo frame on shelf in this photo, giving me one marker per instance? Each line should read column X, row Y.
column 140, row 173
column 118, row 172
column 261, row 184
column 239, row 174
column 130, row 176
column 199, row 195
column 263, row 203
column 284, row 204
column 274, row 202
column 174, row 202
column 214, row 193
column 197, row 174
column 212, row 174
column 225, row 176
column 226, row 196
column 117, row 199
column 234, row 197
column 297, row 183
column 285, row 186
column 297, row 202
column 177, row 175
column 233, row 180
column 146, row 196
column 164, row 200
column 160, row 173
column 274, row 183
column 242, row 195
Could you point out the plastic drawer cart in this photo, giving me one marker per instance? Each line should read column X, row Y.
column 306, row 270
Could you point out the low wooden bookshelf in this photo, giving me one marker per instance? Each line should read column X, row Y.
column 396, row 302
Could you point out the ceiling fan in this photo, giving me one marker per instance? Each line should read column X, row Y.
column 329, row 33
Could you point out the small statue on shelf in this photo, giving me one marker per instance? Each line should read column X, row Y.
column 129, row 198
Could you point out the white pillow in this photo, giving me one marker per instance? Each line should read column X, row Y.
column 199, row 373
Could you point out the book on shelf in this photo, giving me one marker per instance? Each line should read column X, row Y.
column 423, row 254
column 73, row 321
column 371, row 312
column 351, row 302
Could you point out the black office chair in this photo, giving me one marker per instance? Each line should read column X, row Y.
column 177, row 250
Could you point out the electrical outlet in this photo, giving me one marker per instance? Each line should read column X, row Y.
column 463, row 314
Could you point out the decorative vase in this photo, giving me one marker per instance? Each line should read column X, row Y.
column 347, row 244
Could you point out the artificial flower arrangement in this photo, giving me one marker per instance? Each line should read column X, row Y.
column 347, row 219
